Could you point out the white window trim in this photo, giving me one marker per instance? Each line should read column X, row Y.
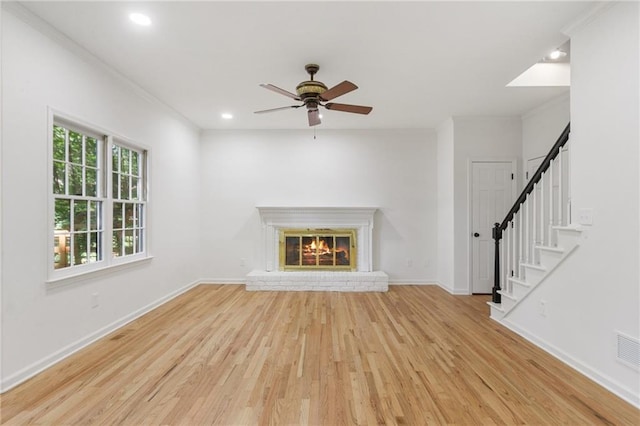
column 57, row 277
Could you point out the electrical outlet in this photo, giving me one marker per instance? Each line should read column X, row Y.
column 243, row 262
column 95, row 301
column 409, row 263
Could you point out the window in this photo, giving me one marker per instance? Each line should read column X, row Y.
column 99, row 200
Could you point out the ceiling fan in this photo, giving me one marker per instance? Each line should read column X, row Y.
column 314, row 94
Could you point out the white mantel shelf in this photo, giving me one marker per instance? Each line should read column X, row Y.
column 276, row 218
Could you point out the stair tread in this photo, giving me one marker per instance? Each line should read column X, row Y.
column 550, row 248
column 519, row 281
column 568, row 228
column 532, row 266
column 507, row 295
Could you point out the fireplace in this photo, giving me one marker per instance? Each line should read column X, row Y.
column 317, row 249
column 323, row 249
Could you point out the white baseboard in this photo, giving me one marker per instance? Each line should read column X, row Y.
column 222, row 281
column 48, row 361
column 205, row 281
column 412, row 282
column 627, row 394
column 455, row 292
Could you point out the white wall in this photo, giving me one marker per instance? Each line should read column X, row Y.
column 394, row 170
column 542, row 126
column 476, row 138
column 445, row 135
column 40, row 323
column 596, row 292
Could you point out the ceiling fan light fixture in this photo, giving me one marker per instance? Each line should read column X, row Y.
column 312, row 88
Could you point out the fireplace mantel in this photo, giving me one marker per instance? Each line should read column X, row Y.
column 276, row 218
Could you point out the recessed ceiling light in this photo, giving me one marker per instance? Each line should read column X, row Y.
column 140, row 19
column 227, row 116
column 557, row 54
column 320, row 115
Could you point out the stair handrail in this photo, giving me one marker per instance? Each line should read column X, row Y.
column 499, row 227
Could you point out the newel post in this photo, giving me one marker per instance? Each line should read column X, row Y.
column 497, row 235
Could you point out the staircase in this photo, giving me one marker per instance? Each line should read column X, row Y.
column 536, row 233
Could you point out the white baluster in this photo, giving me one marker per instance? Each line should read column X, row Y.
column 534, row 221
column 543, row 223
column 527, row 229
column 514, row 266
column 550, row 203
column 507, row 257
column 560, row 183
column 521, row 240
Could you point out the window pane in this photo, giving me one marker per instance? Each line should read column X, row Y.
column 124, row 187
column 117, row 215
column 61, row 242
column 134, row 188
column 115, row 185
column 115, row 158
column 75, row 147
column 134, row 162
column 140, row 215
column 91, row 180
column 62, row 214
column 95, row 252
column 116, row 244
column 140, row 241
column 91, row 152
column 80, row 215
column 128, row 215
column 128, row 242
column 75, row 180
column 59, row 143
column 58, row 177
column 80, row 248
column 124, row 160
column 94, row 216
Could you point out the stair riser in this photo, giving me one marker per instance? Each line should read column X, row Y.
column 496, row 313
column 549, row 259
column 567, row 239
column 519, row 291
column 533, row 276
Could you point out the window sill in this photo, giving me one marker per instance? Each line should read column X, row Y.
column 95, row 273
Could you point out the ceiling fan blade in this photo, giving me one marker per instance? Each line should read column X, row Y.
column 338, row 90
column 281, row 91
column 358, row 109
column 314, row 117
column 276, row 109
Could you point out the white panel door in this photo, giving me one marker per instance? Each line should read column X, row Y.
column 491, row 199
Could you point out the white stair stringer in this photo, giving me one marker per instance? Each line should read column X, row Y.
column 532, row 275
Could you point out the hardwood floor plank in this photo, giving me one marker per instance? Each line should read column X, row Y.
column 221, row 355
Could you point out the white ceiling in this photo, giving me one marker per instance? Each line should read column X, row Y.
column 416, row 63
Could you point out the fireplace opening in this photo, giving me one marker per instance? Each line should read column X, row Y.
column 332, row 249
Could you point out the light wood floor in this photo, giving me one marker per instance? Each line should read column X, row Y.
column 220, row 355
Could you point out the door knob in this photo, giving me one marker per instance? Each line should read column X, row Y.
column 475, row 234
